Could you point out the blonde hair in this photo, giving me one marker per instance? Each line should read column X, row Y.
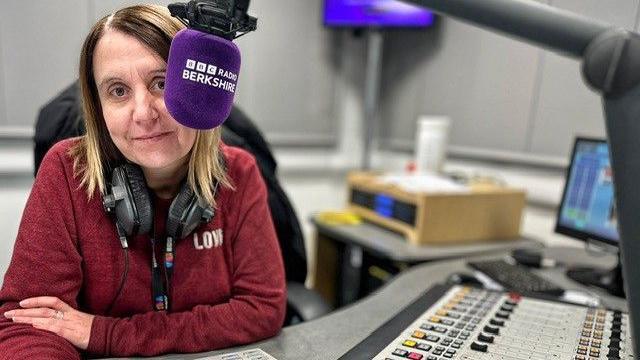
column 95, row 154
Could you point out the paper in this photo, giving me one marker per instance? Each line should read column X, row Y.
column 424, row 183
column 252, row 354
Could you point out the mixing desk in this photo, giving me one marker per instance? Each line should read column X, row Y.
column 474, row 324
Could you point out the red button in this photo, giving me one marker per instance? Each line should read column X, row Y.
column 515, row 296
column 414, row 356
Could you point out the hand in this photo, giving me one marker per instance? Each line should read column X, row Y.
column 52, row 314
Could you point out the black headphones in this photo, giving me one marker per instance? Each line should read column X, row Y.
column 128, row 199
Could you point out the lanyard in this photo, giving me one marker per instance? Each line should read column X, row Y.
column 161, row 284
column 158, row 286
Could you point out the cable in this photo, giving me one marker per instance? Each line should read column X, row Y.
column 124, row 278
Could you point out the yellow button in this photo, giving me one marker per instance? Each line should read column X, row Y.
column 418, row 334
column 442, row 312
column 434, row 319
column 409, row 343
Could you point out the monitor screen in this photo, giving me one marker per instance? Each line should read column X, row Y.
column 377, row 13
column 587, row 210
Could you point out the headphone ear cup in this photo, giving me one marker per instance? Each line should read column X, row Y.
column 179, row 211
column 140, row 196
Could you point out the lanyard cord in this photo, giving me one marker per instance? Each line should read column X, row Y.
column 159, row 287
column 169, row 260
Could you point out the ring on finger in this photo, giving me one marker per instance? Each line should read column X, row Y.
column 58, row 315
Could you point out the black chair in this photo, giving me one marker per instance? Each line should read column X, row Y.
column 61, row 118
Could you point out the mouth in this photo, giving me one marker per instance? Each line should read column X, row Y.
column 153, row 136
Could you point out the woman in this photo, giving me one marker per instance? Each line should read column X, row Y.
column 62, row 293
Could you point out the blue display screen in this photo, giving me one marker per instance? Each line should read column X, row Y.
column 588, row 205
column 375, row 13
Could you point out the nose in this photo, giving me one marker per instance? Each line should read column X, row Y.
column 144, row 110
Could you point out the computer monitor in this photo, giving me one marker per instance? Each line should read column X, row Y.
column 587, row 211
column 375, row 13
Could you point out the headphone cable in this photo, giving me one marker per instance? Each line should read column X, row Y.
column 122, row 280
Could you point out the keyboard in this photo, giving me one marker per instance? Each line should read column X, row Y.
column 516, row 278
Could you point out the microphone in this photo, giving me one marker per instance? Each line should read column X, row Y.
column 204, row 63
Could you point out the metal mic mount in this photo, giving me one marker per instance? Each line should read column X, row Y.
column 224, row 18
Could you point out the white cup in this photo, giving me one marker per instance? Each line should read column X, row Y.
column 432, row 137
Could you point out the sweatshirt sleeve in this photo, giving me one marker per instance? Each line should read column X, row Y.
column 254, row 311
column 45, row 262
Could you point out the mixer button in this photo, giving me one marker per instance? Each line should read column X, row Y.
column 502, row 315
column 485, row 338
column 432, row 338
column 506, row 308
column 409, row 343
column 440, row 329
column 446, row 322
column 415, row 356
column 479, row 347
column 424, row 347
column 491, row 330
column 418, row 334
column 496, row 322
column 400, row 352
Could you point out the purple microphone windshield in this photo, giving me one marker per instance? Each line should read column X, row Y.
column 202, row 75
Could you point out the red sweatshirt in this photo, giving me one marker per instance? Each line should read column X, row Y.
column 227, row 287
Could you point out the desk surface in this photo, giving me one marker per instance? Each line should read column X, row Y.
column 390, row 245
column 331, row 336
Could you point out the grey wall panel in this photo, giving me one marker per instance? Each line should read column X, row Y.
column 40, row 49
column 567, row 107
column 483, row 81
column 287, row 83
column 100, row 8
column 3, row 84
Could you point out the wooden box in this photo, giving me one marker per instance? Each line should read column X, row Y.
column 486, row 212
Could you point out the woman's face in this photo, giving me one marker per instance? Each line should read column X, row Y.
column 130, row 80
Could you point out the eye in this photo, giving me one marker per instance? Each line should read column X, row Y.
column 159, row 84
column 118, row 91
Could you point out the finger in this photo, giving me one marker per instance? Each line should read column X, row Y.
column 44, row 301
column 34, row 312
column 30, row 320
